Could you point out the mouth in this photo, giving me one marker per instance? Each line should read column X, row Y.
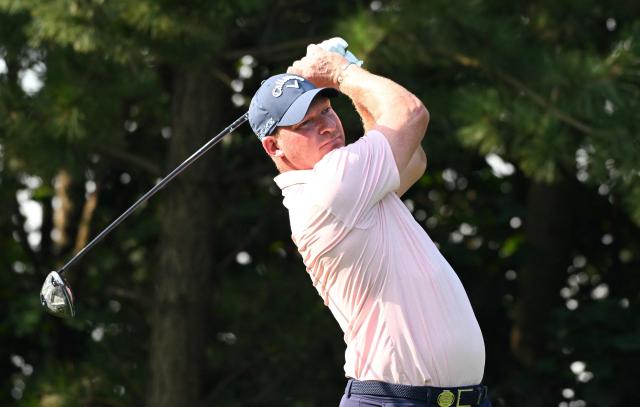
column 336, row 140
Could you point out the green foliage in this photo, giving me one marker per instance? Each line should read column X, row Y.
column 545, row 86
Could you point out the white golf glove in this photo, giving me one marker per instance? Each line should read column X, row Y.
column 339, row 46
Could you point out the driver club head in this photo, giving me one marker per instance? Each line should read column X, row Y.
column 56, row 296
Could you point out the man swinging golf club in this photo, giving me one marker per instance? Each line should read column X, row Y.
column 412, row 337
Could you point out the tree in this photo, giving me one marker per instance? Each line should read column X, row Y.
column 201, row 298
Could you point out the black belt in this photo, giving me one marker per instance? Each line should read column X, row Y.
column 437, row 396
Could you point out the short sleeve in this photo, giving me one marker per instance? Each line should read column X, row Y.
column 350, row 180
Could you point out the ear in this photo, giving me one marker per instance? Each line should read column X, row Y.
column 270, row 146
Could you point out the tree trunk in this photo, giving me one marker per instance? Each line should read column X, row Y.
column 182, row 278
column 548, row 234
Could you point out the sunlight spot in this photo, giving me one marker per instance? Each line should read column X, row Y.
column 456, row 237
column 130, row 125
column 17, row 360
column 31, row 210
column 611, row 24
column 608, row 107
column 27, row 369
column 238, row 99
column 31, row 78
column 245, row 72
column 572, row 304
column 19, row 267
column 449, row 176
column 243, row 258
column 409, row 204
column 248, row 60
column 97, row 333
column 624, row 303
column 467, row 230
column 125, row 178
column 90, row 187
column 375, row 5
column 584, row 377
column 499, row 167
column 582, row 277
column 237, row 85
column 420, row 215
column 607, row 239
column 227, row 337
column 515, row 222
column 603, row 189
column 510, row 275
column 119, row 390
column 579, row 261
column 568, row 292
column 578, row 367
column 600, row 292
column 568, row 393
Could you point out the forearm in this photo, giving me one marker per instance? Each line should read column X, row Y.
column 383, row 104
column 380, row 100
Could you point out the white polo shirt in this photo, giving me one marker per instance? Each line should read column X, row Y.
column 405, row 315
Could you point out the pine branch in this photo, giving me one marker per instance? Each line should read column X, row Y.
column 138, row 161
column 538, row 99
column 541, row 101
column 278, row 49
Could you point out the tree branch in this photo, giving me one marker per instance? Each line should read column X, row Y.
column 276, row 49
column 538, row 99
column 139, row 162
column 541, row 101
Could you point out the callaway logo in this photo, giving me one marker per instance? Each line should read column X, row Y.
column 280, row 83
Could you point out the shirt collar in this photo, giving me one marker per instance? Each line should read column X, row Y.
column 288, row 178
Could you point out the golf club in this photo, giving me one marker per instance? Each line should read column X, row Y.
column 56, row 296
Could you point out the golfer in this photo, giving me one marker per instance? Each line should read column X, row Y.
column 412, row 337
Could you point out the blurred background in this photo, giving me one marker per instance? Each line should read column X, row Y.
column 200, row 298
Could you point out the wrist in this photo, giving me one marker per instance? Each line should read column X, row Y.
column 344, row 71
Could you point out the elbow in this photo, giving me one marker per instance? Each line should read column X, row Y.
column 420, row 116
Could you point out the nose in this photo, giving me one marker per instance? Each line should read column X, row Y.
column 328, row 124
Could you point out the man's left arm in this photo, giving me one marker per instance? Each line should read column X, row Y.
column 413, row 171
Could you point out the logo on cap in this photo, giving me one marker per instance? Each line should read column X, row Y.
column 280, row 83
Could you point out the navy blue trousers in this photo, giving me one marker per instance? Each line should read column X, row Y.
column 378, row 401
column 357, row 400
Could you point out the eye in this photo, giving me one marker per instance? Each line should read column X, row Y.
column 326, row 110
column 305, row 123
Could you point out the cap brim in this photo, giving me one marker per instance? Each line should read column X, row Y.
column 299, row 107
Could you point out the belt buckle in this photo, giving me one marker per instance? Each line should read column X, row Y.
column 460, row 391
column 447, row 398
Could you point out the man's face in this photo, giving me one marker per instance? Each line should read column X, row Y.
column 305, row 143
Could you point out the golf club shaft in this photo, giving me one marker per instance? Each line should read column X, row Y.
column 237, row 123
